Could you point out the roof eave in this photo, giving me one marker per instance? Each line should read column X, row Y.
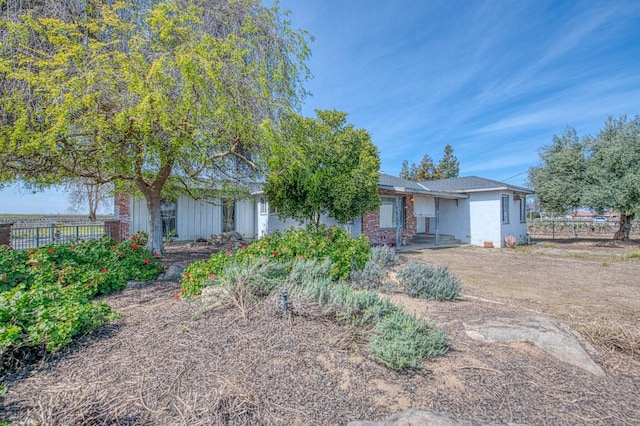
column 450, row 195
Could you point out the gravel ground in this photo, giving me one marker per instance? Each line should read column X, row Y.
column 168, row 362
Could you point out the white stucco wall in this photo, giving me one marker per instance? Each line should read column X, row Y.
column 276, row 223
column 484, row 218
column 514, row 227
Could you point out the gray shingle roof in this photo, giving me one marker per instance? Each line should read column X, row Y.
column 471, row 184
column 404, row 185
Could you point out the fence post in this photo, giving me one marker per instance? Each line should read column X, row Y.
column 112, row 228
column 5, row 234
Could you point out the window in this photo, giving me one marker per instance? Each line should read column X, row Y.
column 388, row 213
column 272, row 209
column 523, row 210
column 263, row 206
column 168, row 218
column 505, row 209
column 228, row 215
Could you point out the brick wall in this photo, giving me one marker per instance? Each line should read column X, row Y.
column 122, row 213
column 371, row 223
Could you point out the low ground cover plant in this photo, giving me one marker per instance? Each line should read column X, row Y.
column 331, row 243
column 395, row 339
column 425, row 282
column 372, row 276
column 46, row 294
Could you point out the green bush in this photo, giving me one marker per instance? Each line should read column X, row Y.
column 401, row 340
column 426, row 282
column 46, row 293
column 374, row 271
column 330, row 243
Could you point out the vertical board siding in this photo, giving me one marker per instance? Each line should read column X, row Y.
column 197, row 219
column 138, row 211
column 244, row 218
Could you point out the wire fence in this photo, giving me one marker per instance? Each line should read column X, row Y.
column 577, row 227
column 28, row 238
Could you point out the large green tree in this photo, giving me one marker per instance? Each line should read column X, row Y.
column 559, row 179
column 322, row 166
column 601, row 172
column 149, row 94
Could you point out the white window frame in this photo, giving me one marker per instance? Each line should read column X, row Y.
column 523, row 210
column 263, row 206
column 504, row 208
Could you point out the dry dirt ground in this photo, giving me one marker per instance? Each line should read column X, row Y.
column 164, row 361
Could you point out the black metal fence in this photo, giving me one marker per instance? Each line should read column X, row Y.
column 28, row 238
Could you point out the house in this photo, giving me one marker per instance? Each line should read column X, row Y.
column 469, row 210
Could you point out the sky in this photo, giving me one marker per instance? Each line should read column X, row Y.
column 495, row 79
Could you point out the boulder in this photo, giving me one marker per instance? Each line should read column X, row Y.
column 172, row 273
column 416, row 416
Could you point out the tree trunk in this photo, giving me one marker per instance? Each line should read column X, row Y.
column 155, row 244
column 625, row 227
column 152, row 195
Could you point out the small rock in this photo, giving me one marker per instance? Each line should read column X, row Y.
column 138, row 284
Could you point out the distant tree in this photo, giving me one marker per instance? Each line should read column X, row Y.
column 322, row 166
column 151, row 95
column 86, row 193
column 426, row 169
column 408, row 172
column 601, row 172
column 448, row 167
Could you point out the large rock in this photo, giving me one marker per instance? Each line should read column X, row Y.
column 173, row 272
column 547, row 334
column 416, row 416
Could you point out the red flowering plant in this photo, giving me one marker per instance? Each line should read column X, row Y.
column 13, row 267
column 138, row 263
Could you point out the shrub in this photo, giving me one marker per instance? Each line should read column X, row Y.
column 325, row 243
column 243, row 284
column 401, row 340
column 384, row 256
column 398, row 340
column 374, row 271
column 426, row 282
column 510, row 241
column 46, row 293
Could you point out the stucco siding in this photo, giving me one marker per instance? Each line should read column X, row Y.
column 278, row 224
column 484, row 218
column 514, row 227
